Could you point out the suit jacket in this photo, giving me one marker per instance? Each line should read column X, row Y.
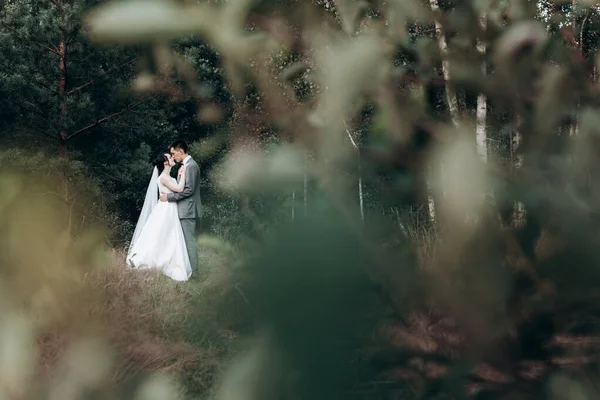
column 189, row 204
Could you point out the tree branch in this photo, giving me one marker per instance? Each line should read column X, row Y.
column 50, row 49
column 36, row 81
column 71, row 35
column 354, row 144
column 48, row 46
column 587, row 14
column 25, row 107
column 108, row 117
column 50, row 135
column 152, row 114
column 101, row 75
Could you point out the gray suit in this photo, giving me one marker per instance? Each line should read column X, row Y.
column 189, row 208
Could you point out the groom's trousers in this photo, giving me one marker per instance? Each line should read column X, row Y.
column 188, row 225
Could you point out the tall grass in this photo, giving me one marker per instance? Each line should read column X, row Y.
column 155, row 325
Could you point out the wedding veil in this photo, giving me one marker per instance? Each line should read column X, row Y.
column 149, row 203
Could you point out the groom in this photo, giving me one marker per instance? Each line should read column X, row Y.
column 188, row 201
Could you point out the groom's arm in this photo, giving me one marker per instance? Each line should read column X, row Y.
column 192, row 176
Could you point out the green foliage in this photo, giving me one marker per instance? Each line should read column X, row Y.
column 311, row 290
column 116, row 134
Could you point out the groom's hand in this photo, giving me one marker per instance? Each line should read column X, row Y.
column 163, row 196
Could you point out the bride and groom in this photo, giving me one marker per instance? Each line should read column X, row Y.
column 165, row 235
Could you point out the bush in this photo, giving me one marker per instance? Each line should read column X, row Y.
column 68, row 185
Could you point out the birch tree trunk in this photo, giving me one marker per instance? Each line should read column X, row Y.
column 430, row 203
column 576, row 122
column 360, row 184
column 516, row 161
column 573, row 124
column 481, row 130
column 451, row 98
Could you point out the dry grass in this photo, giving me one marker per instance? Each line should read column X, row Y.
column 434, row 333
column 145, row 317
column 160, row 326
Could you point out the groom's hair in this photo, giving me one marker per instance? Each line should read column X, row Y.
column 179, row 145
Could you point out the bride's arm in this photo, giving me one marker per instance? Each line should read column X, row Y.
column 175, row 187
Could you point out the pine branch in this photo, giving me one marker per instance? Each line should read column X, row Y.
column 101, row 75
column 44, row 86
column 152, row 114
column 50, row 49
column 108, row 117
column 48, row 46
column 57, row 4
column 72, row 35
column 25, row 107
column 36, row 81
column 28, row 125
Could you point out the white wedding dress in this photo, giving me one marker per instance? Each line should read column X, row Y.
column 159, row 242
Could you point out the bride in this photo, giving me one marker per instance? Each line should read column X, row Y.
column 158, row 241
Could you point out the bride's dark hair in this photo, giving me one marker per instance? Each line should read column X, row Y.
column 159, row 162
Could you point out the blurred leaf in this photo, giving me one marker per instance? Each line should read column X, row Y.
column 246, row 169
column 520, row 39
column 351, row 13
column 310, row 288
column 136, row 21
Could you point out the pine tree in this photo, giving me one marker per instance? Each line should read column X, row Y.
column 65, row 94
column 57, row 84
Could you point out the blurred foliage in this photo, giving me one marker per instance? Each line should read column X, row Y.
column 377, row 256
column 66, row 184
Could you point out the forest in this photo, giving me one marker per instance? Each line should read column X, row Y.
column 398, row 198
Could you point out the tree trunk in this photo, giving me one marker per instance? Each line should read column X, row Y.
column 62, row 87
column 360, row 184
column 516, row 161
column 451, row 98
column 431, row 207
column 360, row 188
column 573, row 124
column 481, row 130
